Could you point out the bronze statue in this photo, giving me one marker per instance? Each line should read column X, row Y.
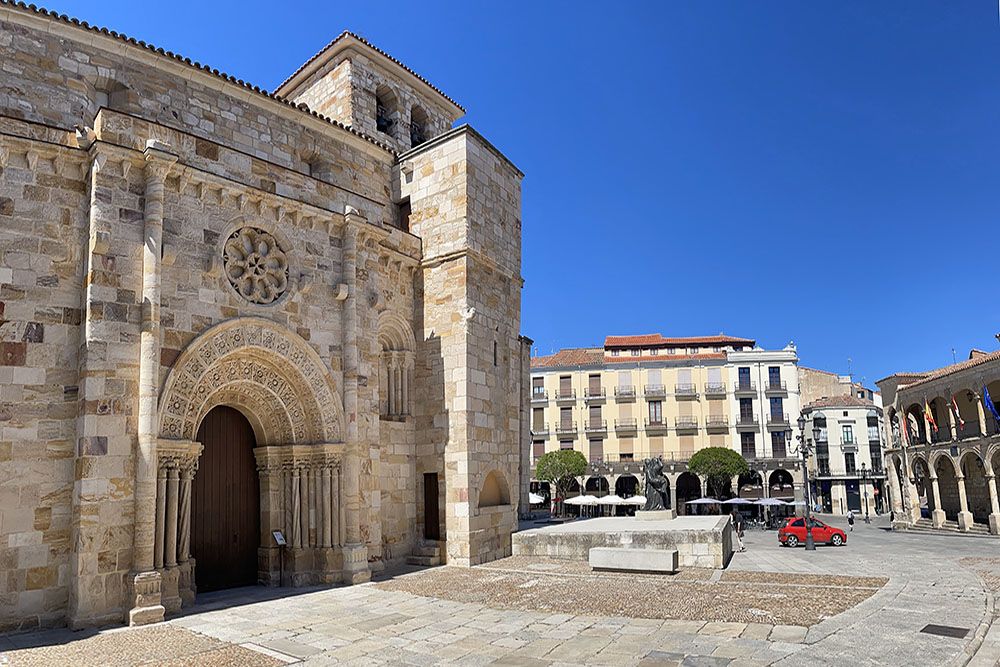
column 657, row 487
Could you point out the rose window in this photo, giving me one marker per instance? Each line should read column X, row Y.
column 256, row 267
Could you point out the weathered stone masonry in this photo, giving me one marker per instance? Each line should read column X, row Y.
column 173, row 240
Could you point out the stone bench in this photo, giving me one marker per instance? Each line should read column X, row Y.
column 633, row 560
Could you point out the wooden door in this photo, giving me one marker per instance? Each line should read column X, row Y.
column 225, row 503
column 432, row 520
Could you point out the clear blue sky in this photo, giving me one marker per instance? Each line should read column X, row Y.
column 827, row 173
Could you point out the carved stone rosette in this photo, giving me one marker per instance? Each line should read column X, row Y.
column 255, row 265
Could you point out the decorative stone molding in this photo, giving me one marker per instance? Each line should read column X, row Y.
column 255, row 265
column 280, row 383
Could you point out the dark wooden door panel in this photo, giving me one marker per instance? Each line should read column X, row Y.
column 225, row 503
column 432, row 520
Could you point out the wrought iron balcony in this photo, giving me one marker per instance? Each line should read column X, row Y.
column 713, row 422
column 686, row 390
column 626, row 424
column 747, row 422
column 686, row 423
column 566, row 395
column 776, row 420
column 539, row 430
column 566, row 428
column 539, row 396
column 776, row 388
column 593, row 395
column 596, row 425
column 658, row 425
column 744, row 388
column 625, row 393
column 655, row 391
column 715, row 389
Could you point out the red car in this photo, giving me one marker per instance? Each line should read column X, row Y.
column 793, row 533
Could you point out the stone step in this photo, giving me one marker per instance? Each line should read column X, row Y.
column 429, row 549
column 425, row 561
column 949, row 527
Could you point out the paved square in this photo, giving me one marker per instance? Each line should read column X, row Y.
column 772, row 606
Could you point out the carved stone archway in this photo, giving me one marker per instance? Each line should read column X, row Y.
column 289, row 396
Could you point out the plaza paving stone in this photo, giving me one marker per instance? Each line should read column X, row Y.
column 948, row 580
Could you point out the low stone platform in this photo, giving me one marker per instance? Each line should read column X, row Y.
column 700, row 541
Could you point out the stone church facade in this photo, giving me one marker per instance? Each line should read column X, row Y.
column 227, row 314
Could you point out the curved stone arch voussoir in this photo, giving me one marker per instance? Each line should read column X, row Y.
column 268, row 372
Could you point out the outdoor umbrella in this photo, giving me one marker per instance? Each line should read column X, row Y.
column 582, row 500
column 737, row 501
column 770, row 502
column 612, row 500
column 636, row 500
column 535, row 499
column 797, row 503
column 703, row 501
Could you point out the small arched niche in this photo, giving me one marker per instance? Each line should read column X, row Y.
column 495, row 491
column 385, row 110
column 418, row 126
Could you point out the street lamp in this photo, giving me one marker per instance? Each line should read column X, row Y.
column 864, row 483
column 805, row 449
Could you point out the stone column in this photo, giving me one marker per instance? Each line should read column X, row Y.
column 327, row 535
column 304, row 509
column 991, row 485
column 184, row 515
column 405, row 385
column 161, row 516
column 964, row 515
column 355, row 553
column 296, row 537
column 170, row 536
column 158, row 163
column 937, row 515
column 895, row 499
column 390, row 369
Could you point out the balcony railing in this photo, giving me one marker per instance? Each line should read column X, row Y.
column 747, row 421
column 655, row 391
column 686, row 423
column 777, row 420
column 566, row 395
column 591, row 394
column 657, row 425
column 565, row 428
column 539, row 395
column 596, row 425
column 716, row 421
column 625, row 393
column 686, row 390
column 747, row 387
column 539, row 429
column 715, row 389
column 626, row 424
column 776, row 387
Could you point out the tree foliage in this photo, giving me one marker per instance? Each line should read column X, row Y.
column 560, row 468
column 718, row 465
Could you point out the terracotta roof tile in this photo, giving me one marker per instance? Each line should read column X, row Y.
column 845, row 401
column 657, row 340
column 570, row 357
column 978, row 358
column 83, row 25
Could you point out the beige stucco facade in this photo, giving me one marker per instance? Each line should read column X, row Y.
column 173, row 240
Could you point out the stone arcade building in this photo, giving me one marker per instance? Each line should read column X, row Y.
column 226, row 312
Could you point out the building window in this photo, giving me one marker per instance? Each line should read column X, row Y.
column 746, row 410
column 849, row 464
column 495, row 353
column 403, row 215
column 774, row 376
column 656, row 412
column 596, row 450
column 635, row 353
column 594, row 385
column 654, row 352
column 614, row 353
column 777, row 408
column 385, row 109
column 744, row 378
column 748, row 445
column 847, row 434
column 418, row 126
column 565, row 444
column 565, row 418
column 692, row 350
column 778, row 444
column 626, row 456
column 538, row 420
column 565, row 386
column 538, row 387
column 538, row 449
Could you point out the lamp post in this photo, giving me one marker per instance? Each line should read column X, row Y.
column 864, row 484
column 805, row 449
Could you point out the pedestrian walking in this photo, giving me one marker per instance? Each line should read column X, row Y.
column 738, row 529
column 850, row 519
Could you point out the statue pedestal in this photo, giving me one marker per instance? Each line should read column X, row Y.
column 656, row 515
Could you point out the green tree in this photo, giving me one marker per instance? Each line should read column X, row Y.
column 560, row 468
column 718, row 465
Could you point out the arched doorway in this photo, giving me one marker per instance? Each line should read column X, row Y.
column 688, row 488
column 780, row 485
column 225, row 502
column 976, row 492
column 627, row 486
column 751, row 486
column 922, row 482
column 597, row 486
column 947, row 486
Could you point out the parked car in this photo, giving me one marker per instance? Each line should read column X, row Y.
column 793, row 533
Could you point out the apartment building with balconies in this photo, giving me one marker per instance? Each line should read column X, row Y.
column 649, row 395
